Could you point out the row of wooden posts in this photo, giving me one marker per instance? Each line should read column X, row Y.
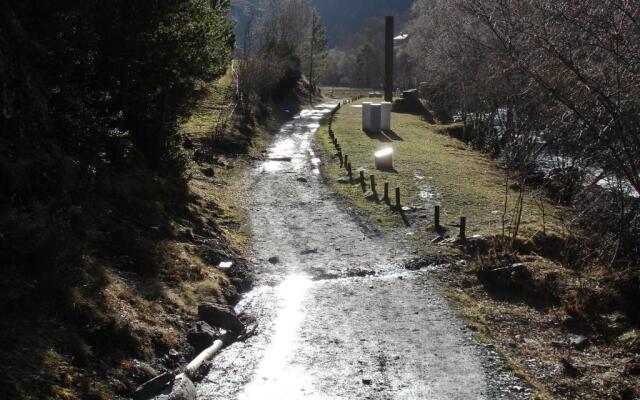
column 346, row 164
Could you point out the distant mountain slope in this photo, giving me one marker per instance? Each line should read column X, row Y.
column 342, row 17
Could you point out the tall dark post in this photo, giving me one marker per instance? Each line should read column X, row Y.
column 388, row 60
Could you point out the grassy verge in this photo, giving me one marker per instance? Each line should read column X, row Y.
column 132, row 261
column 431, row 169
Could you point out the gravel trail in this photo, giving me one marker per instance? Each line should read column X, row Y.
column 339, row 318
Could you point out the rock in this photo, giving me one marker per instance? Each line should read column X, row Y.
column 514, row 277
column 220, row 316
column 208, row 172
column 140, row 372
column 153, row 386
column 569, row 368
column 174, row 355
column 302, row 180
column 201, row 336
column 367, row 381
column 225, row 265
column 579, row 342
column 633, row 368
column 308, row 251
column 343, row 181
column 187, row 143
column 274, row 260
column 182, row 389
column 223, row 163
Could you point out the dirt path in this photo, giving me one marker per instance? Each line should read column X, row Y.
column 339, row 317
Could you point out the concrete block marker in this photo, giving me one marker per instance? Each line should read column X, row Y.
column 384, row 159
column 385, row 119
column 366, row 116
column 375, row 118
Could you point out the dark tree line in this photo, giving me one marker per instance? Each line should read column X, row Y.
column 92, row 170
column 104, row 80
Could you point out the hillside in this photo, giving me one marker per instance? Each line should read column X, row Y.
column 342, row 18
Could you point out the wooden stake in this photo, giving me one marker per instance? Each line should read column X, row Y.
column 386, row 192
column 436, row 218
column 362, row 183
column 463, row 228
column 398, row 199
column 346, row 160
column 350, row 173
column 373, row 183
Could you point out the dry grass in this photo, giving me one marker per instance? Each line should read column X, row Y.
column 431, row 169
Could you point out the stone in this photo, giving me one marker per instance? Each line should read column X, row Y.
column 220, row 316
column 274, row 260
column 208, row 172
column 343, row 181
column 579, row 342
column 569, row 368
column 201, row 336
column 302, row 180
column 153, row 386
column 367, row 381
column 633, row 368
column 182, row 389
column 140, row 372
column 515, row 276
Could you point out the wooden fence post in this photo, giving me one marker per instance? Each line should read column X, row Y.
column 436, row 218
column 346, row 160
column 463, row 228
column 350, row 173
column 373, row 183
column 386, row 192
column 362, row 183
column 398, row 204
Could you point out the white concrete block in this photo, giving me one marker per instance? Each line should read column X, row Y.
column 376, row 115
column 385, row 122
column 384, row 159
column 366, row 115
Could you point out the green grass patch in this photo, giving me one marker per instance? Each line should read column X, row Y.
column 464, row 182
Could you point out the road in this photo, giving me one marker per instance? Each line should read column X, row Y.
column 339, row 317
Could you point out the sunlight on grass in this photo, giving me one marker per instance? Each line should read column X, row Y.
column 431, row 169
